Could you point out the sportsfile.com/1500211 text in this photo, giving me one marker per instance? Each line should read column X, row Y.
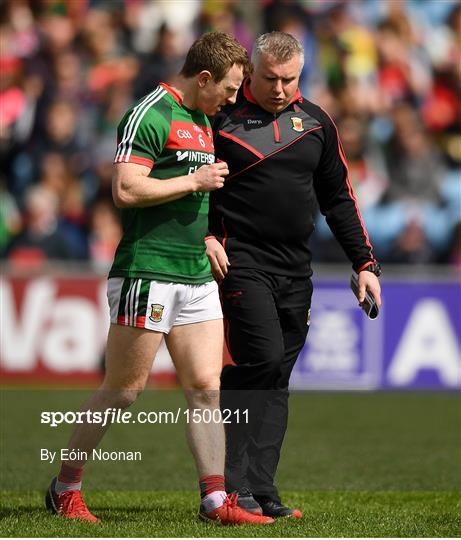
column 118, row 416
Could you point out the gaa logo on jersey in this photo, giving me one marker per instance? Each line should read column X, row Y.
column 156, row 312
column 297, row 123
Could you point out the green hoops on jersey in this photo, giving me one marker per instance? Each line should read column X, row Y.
column 165, row 242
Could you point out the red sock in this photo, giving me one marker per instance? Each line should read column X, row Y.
column 70, row 475
column 213, row 482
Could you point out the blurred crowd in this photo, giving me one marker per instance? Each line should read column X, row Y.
column 387, row 71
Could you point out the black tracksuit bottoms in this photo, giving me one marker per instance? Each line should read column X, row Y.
column 266, row 324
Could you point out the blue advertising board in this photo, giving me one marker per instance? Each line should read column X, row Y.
column 413, row 344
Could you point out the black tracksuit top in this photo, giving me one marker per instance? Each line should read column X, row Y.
column 279, row 164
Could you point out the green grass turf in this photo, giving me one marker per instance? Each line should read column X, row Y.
column 173, row 514
column 357, row 464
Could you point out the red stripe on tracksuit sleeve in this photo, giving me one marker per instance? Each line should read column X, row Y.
column 351, row 191
column 366, row 265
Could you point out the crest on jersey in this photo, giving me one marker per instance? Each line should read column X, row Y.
column 297, row 123
column 156, row 312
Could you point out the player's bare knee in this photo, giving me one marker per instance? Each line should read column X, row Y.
column 204, row 392
column 120, row 398
column 205, row 382
column 127, row 397
column 205, row 399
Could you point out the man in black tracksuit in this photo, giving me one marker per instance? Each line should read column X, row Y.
column 283, row 154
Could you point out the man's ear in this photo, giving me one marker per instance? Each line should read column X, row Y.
column 203, row 77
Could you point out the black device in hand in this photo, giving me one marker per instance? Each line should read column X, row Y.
column 369, row 305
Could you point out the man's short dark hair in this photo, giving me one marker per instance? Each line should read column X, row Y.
column 215, row 52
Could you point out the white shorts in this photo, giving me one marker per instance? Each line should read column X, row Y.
column 159, row 305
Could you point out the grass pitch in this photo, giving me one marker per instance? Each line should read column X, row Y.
column 173, row 514
column 384, row 464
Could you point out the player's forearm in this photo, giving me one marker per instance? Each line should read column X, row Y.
column 140, row 191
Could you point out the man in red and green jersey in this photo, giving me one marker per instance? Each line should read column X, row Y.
column 171, row 140
column 160, row 284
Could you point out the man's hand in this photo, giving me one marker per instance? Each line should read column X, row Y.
column 369, row 282
column 210, row 177
column 218, row 258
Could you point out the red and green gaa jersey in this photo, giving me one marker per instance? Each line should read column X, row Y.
column 165, row 242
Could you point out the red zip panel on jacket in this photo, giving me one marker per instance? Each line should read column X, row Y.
column 276, row 130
